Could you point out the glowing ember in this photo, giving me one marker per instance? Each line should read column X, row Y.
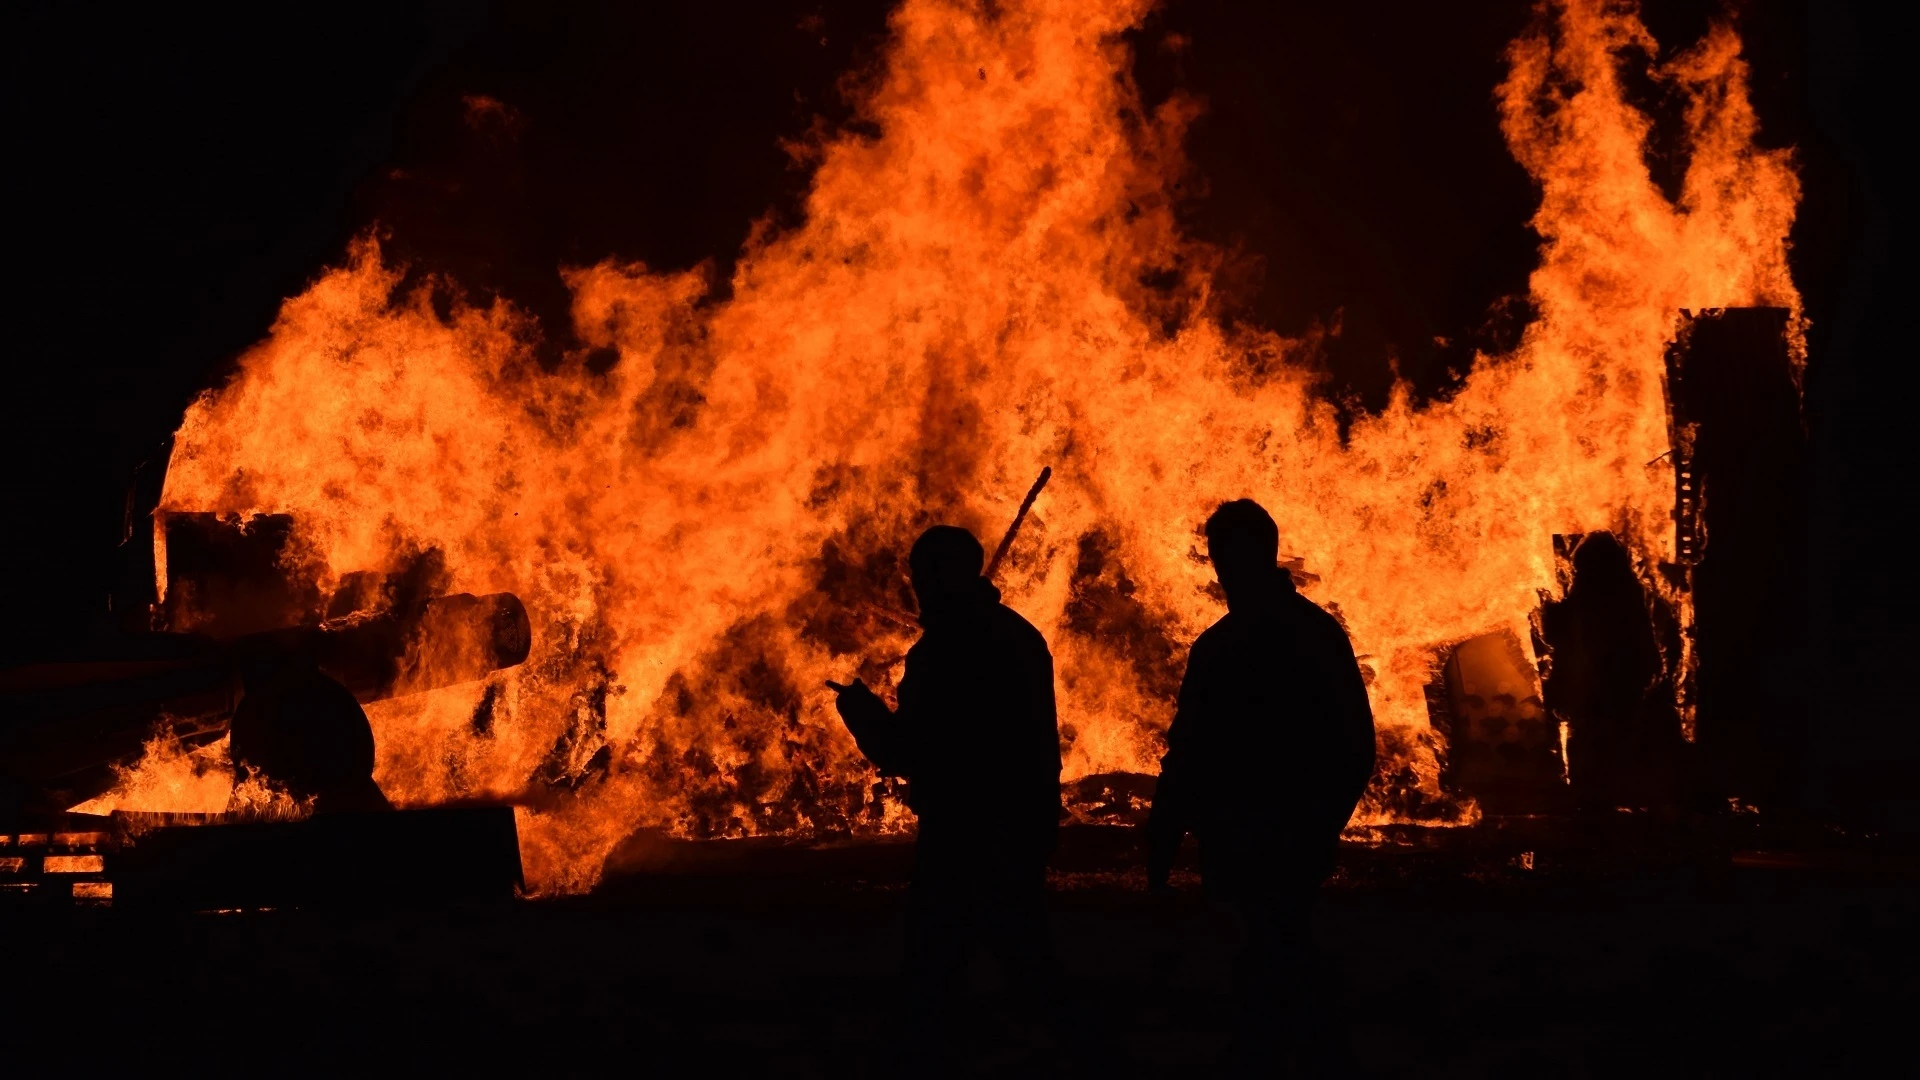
column 711, row 527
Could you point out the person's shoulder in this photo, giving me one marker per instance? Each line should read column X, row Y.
column 1012, row 622
column 1217, row 635
column 1016, row 627
column 1322, row 622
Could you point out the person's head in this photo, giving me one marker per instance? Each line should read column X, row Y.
column 1244, row 544
column 945, row 563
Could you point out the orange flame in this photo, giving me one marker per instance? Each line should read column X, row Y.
column 711, row 527
column 170, row 778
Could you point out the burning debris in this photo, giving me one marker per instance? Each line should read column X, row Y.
column 1502, row 746
column 234, row 709
column 233, row 611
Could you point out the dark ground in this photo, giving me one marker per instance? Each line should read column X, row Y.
column 1623, row 950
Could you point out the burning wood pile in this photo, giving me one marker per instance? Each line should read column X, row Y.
column 698, row 513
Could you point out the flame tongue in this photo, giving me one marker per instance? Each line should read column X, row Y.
column 709, row 529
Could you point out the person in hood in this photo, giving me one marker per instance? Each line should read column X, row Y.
column 1270, row 749
column 976, row 738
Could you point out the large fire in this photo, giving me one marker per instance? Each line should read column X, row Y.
column 708, row 528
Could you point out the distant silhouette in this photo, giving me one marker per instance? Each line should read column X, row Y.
column 1608, row 682
column 976, row 737
column 1269, row 752
column 306, row 733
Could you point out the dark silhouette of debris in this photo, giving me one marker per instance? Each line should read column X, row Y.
column 304, row 732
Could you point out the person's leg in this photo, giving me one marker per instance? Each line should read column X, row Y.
column 939, row 919
column 1274, row 978
column 1015, row 932
column 1016, row 922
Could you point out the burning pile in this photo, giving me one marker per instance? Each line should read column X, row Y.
column 705, row 528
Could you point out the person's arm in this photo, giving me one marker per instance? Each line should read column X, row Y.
column 881, row 734
column 1172, row 815
column 1352, row 715
column 1046, row 722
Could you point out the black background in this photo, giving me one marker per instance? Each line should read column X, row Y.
column 172, row 176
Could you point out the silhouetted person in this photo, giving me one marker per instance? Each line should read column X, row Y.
column 1608, row 682
column 304, row 732
column 976, row 738
column 1269, row 752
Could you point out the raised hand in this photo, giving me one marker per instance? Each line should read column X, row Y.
column 856, row 702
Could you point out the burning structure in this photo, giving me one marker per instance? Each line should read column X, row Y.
column 703, row 506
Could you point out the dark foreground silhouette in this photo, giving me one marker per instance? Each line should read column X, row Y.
column 305, row 732
column 1268, row 754
column 976, row 737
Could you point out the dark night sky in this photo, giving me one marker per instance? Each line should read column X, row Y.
column 173, row 176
